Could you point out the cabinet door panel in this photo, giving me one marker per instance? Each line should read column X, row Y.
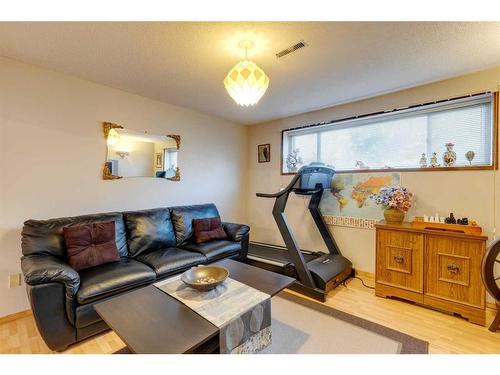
column 400, row 259
column 453, row 270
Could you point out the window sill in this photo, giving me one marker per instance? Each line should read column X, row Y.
column 437, row 169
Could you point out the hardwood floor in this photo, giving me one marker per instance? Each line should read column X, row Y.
column 445, row 333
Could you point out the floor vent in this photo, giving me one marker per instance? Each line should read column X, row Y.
column 291, row 49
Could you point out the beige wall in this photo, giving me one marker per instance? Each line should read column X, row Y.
column 470, row 194
column 52, row 150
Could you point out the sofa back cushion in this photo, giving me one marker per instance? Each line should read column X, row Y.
column 182, row 218
column 91, row 245
column 46, row 236
column 149, row 230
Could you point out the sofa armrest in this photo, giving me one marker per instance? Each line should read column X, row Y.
column 49, row 310
column 236, row 231
column 239, row 233
column 46, row 269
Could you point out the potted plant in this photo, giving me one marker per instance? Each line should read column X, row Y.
column 395, row 201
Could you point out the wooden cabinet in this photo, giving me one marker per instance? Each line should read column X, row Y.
column 400, row 259
column 436, row 269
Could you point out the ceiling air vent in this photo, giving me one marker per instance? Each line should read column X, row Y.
column 291, row 49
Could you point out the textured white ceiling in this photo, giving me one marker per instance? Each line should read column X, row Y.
column 184, row 63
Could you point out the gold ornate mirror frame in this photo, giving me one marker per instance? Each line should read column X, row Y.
column 106, row 128
column 177, row 139
column 106, row 173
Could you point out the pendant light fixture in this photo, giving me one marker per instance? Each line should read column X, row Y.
column 246, row 83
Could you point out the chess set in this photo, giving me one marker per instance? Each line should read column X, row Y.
column 450, row 223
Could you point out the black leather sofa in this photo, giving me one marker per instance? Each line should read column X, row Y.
column 153, row 244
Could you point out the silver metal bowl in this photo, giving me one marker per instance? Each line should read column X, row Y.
column 205, row 278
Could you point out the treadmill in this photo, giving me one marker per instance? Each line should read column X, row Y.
column 316, row 273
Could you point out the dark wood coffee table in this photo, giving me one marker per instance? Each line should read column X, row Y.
column 150, row 321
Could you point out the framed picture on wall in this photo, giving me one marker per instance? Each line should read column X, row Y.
column 264, row 153
column 159, row 160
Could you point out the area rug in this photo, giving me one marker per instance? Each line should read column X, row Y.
column 301, row 326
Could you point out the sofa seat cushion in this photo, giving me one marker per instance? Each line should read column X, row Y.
column 86, row 315
column 214, row 250
column 171, row 260
column 111, row 278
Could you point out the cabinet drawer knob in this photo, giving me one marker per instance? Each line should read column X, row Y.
column 453, row 268
column 399, row 259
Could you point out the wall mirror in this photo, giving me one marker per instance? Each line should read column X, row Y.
column 132, row 153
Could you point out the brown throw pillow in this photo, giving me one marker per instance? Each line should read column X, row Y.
column 208, row 229
column 91, row 245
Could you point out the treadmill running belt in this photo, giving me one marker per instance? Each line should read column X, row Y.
column 275, row 254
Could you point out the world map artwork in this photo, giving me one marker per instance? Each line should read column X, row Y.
column 348, row 201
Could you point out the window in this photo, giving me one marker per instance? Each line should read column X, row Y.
column 397, row 139
column 170, row 159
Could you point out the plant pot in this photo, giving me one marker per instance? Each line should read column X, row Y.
column 394, row 216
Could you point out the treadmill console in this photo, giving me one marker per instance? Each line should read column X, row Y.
column 315, row 173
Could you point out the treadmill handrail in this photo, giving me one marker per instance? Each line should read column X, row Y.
column 307, row 191
column 270, row 195
column 286, row 190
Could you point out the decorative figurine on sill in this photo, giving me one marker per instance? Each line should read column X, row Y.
column 423, row 161
column 451, row 219
column 463, row 221
column 293, row 160
column 450, row 156
column 434, row 160
column 361, row 165
column 469, row 155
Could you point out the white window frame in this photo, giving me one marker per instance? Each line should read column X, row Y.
column 396, row 114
